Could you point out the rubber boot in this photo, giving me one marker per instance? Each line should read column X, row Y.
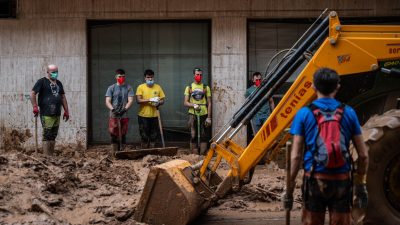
column 193, row 148
column 114, row 149
column 203, row 148
column 152, row 145
column 46, row 147
column 52, row 145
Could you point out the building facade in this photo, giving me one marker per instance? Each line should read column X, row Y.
column 89, row 39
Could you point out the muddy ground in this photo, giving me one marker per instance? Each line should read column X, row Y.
column 84, row 187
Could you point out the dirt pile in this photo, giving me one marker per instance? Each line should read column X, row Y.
column 88, row 188
column 62, row 190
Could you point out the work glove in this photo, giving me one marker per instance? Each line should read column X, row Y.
column 207, row 123
column 196, row 107
column 66, row 116
column 122, row 111
column 35, row 110
column 287, row 200
column 114, row 111
column 361, row 193
column 155, row 101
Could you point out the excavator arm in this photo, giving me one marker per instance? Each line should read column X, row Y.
column 176, row 192
column 348, row 50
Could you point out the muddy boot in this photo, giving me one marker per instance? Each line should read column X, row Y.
column 52, row 145
column 152, row 145
column 194, row 149
column 46, row 147
column 114, row 149
column 203, row 148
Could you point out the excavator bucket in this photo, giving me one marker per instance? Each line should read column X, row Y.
column 171, row 195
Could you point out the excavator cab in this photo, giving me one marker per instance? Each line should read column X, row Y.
column 176, row 192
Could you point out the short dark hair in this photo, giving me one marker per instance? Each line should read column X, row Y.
column 326, row 80
column 256, row 74
column 148, row 72
column 197, row 69
column 120, row 71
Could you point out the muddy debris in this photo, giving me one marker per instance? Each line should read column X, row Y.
column 91, row 189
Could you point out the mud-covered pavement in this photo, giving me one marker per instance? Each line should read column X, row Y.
column 84, row 187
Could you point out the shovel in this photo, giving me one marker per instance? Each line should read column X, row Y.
column 288, row 165
column 161, row 129
column 198, row 131
column 138, row 153
column 120, row 134
column 36, row 136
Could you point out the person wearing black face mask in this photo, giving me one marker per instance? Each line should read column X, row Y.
column 119, row 98
column 51, row 98
column 258, row 120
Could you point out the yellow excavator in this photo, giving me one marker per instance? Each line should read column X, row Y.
column 367, row 57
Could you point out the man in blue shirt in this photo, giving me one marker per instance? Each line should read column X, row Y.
column 327, row 186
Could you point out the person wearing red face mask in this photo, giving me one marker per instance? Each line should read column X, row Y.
column 261, row 116
column 119, row 98
column 198, row 100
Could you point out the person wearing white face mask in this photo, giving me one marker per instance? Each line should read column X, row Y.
column 149, row 96
column 51, row 98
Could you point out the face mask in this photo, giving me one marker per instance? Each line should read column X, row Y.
column 120, row 80
column 149, row 82
column 257, row 83
column 54, row 75
column 197, row 78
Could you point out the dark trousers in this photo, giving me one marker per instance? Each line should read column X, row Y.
column 148, row 128
column 50, row 126
column 204, row 131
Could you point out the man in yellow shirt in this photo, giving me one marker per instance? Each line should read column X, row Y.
column 149, row 96
column 198, row 100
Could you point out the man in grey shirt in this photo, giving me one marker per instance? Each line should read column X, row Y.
column 119, row 98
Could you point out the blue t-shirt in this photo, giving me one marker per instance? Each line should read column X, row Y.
column 304, row 124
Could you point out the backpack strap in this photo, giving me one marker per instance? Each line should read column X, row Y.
column 204, row 90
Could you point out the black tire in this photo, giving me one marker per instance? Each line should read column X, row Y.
column 382, row 136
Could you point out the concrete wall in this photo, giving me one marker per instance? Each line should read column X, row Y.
column 54, row 31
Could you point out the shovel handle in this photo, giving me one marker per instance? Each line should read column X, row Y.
column 36, row 136
column 120, row 134
column 161, row 129
column 288, row 165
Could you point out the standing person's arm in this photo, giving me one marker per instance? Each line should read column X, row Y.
column 129, row 103
column 35, row 90
column 362, row 162
column 161, row 96
column 209, row 107
column 360, row 177
column 33, row 99
column 131, row 96
column 108, row 103
column 296, row 159
column 271, row 104
column 65, row 106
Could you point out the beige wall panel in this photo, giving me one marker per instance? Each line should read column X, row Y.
column 27, row 47
column 160, row 9
column 228, row 69
column 54, row 31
